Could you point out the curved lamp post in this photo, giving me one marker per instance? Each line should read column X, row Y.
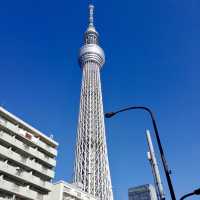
column 195, row 192
column 164, row 162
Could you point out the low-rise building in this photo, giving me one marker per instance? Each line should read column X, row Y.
column 66, row 191
column 27, row 160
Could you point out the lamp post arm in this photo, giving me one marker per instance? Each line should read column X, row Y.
column 167, row 172
column 154, row 126
column 187, row 195
column 195, row 192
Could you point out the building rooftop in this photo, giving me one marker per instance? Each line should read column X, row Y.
column 17, row 121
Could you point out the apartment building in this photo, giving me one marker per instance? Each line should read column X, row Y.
column 27, row 160
column 66, row 191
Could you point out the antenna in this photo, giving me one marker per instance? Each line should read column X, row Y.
column 3, row 104
column 155, row 170
column 91, row 15
column 51, row 136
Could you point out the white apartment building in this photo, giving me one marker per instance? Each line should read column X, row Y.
column 27, row 160
column 66, row 191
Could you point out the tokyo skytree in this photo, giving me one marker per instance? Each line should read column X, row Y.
column 91, row 167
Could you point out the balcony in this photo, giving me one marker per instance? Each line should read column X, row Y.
column 24, row 176
column 32, row 165
column 24, row 192
column 27, row 149
column 16, row 130
column 47, row 148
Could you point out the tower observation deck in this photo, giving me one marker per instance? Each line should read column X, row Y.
column 91, row 161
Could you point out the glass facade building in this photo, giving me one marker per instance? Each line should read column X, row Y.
column 143, row 192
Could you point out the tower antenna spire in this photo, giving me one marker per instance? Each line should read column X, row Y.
column 91, row 14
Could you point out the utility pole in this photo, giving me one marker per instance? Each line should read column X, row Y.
column 154, row 165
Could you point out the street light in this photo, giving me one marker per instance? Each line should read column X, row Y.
column 195, row 192
column 164, row 162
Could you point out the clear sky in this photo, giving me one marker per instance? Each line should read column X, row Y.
column 152, row 58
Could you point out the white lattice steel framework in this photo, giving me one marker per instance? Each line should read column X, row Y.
column 91, row 162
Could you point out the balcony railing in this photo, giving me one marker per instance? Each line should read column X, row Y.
column 17, row 173
column 18, row 190
column 15, row 129
column 28, row 149
column 32, row 165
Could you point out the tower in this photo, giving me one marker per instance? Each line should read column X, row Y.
column 91, row 160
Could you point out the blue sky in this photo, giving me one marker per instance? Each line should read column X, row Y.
column 152, row 58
